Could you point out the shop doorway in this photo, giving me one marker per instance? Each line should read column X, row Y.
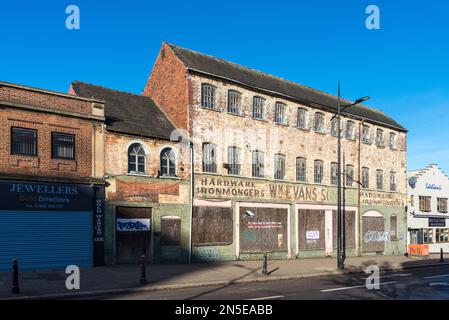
column 133, row 228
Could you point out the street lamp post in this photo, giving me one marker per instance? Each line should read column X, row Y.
column 340, row 220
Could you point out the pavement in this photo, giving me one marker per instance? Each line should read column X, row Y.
column 124, row 279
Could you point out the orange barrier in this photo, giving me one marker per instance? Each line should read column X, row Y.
column 418, row 249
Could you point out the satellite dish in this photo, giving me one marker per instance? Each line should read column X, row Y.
column 412, row 181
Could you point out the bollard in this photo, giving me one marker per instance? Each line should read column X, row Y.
column 15, row 276
column 143, row 273
column 441, row 255
column 265, row 264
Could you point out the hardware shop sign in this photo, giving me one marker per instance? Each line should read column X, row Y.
column 24, row 195
column 381, row 199
column 223, row 187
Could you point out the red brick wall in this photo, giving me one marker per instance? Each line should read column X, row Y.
column 43, row 165
column 167, row 85
column 41, row 99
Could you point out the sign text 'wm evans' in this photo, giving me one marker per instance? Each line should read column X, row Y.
column 217, row 187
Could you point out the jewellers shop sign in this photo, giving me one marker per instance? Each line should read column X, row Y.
column 23, row 195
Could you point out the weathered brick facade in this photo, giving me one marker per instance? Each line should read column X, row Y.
column 224, row 129
column 49, row 112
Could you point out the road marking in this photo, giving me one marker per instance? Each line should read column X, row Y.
column 440, row 276
column 354, row 287
column 267, row 298
column 438, row 284
column 392, row 275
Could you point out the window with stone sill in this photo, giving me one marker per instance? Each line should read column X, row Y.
column 349, row 176
column 168, row 162
column 380, row 138
column 136, row 159
column 258, row 164
column 393, row 186
column 393, row 141
column 366, row 139
column 318, row 171
column 23, row 141
column 208, row 96
column 234, row 102
column 319, row 122
column 350, row 130
column 379, row 180
column 301, row 169
column 280, row 113
column 365, row 177
column 279, row 166
column 258, row 108
column 302, row 118
column 334, row 173
column 234, row 160
column 334, row 127
column 209, row 157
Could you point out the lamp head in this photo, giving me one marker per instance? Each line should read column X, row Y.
column 361, row 100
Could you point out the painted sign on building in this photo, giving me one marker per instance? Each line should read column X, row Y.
column 381, row 199
column 239, row 188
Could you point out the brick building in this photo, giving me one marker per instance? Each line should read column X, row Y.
column 265, row 162
column 147, row 180
column 51, row 178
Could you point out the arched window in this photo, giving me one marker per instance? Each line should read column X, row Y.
column 136, row 158
column 168, row 162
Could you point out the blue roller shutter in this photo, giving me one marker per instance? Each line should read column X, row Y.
column 45, row 239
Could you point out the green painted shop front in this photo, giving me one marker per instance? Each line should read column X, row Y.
column 240, row 219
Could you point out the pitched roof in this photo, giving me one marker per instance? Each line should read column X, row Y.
column 128, row 113
column 212, row 66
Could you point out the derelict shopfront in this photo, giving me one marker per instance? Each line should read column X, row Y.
column 50, row 225
column 239, row 218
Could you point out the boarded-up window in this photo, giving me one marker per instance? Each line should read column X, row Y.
column 263, row 229
column 393, row 228
column 212, row 226
column 374, row 235
column 170, row 231
column 350, row 231
column 311, row 229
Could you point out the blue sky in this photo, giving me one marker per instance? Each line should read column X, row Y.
column 404, row 66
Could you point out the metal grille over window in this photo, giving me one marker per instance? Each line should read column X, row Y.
column 365, row 177
column 280, row 113
column 208, row 96
column 258, row 107
column 318, row 171
column 136, row 158
column 301, row 169
column 279, row 166
column 350, row 130
column 349, row 175
column 319, row 122
column 334, row 176
column 258, row 164
column 234, row 160
column 442, row 205
column 23, row 141
column 392, row 181
column 302, row 118
column 63, row 146
column 424, row 203
column 209, row 157
column 379, row 179
column 168, row 162
column 234, row 102
column 366, row 134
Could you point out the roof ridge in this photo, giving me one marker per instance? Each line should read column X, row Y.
column 276, row 77
column 113, row 90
